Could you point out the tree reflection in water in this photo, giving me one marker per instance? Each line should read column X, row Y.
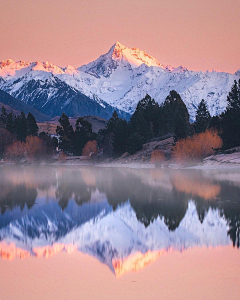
column 152, row 193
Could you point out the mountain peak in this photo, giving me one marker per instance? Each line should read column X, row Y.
column 122, row 58
column 237, row 72
column 70, row 70
column 47, row 67
column 118, row 45
column 6, row 62
column 9, row 67
column 116, row 50
column 134, row 56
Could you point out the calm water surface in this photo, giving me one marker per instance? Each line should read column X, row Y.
column 106, row 233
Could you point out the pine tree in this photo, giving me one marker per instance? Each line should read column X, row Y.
column 230, row 119
column 20, row 124
column 215, row 123
column 10, row 122
column 121, row 135
column 66, row 133
column 182, row 128
column 32, row 128
column 115, row 136
column 140, row 125
column 82, row 135
column 113, row 122
column 135, row 143
column 203, row 118
column 175, row 114
column 146, row 118
column 233, row 98
column 3, row 118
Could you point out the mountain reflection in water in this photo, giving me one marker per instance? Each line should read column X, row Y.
column 126, row 218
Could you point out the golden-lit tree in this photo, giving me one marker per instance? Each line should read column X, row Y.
column 197, row 147
column 90, row 148
column 34, row 147
column 15, row 151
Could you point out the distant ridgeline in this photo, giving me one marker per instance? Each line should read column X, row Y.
column 116, row 80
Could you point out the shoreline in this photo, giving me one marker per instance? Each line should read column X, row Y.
column 136, row 165
column 218, row 161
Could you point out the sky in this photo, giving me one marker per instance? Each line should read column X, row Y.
column 199, row 35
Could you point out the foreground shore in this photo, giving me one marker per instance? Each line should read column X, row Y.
column 142, row 159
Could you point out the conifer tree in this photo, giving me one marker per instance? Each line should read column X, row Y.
column 175, row 113
column 140, row 125
column 231, row 118
column 233, row 98
column 82, row 135
column 182, row 128
column 65, row 132
column 145, row 118
column 203, row 118
column 10, row 122
column 32, row 128
column 215, row 123
column 135, row 143
column 3, row 117
column 116, row 135
column 113, row 122
column 121, row 135
column 20, row 124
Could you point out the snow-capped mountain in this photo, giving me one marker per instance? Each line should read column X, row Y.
column 123, row 57
column 116, row 238
column 51, row 96
column 119, row 78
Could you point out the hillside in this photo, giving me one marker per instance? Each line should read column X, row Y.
column 97, row 123
column 17, row 106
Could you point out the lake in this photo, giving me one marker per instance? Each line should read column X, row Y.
column 118, row 233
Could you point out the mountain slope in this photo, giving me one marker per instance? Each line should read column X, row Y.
column 51, row 96
column 18, row 106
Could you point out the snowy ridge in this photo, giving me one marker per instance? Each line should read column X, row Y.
column 123, row 76
column 117, row 238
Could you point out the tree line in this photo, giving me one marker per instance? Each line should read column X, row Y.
column 150, row 121
column 19, row 137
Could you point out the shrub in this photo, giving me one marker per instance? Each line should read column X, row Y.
column 197, row 147
column 15, row 151
column 158, row 157
column 90, row 148
column 34, row 147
